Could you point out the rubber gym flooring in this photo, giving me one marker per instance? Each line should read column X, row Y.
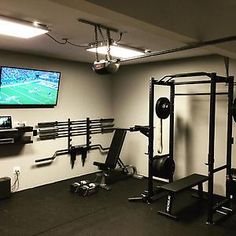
column 53, row 210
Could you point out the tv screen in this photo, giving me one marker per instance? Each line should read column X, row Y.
column 28, row 87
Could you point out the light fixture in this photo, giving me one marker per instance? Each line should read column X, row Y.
column 118, row 51
column 20, row 29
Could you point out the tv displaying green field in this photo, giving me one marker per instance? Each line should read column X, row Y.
column 28, row 87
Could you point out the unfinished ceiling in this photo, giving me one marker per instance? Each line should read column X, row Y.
column 151, row 24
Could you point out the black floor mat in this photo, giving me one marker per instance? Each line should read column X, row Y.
column 53, row 210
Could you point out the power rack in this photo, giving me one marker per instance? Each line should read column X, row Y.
column 172, row 188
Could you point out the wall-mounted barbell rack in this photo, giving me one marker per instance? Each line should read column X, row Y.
column 69, row 129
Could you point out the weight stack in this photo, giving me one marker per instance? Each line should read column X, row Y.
column 5, row 187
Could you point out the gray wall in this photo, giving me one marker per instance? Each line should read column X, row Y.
column 82, row 94
column 123, row 95
column 130, row 102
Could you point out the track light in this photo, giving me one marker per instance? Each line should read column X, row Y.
column 119, row 51
column 20, row 29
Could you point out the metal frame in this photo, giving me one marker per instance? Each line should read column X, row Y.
column 213, row 80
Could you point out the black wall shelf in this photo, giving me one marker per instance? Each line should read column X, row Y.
column 16, row 135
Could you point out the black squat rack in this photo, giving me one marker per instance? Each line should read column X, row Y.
column 194, row 180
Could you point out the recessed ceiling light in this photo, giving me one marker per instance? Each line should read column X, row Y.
column 117, row 51
column 20, row 29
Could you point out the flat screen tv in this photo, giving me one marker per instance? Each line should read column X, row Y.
column 21, row 87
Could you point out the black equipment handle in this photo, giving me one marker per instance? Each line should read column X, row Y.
column 158, row 156
column 138, row 128
column 144, row 129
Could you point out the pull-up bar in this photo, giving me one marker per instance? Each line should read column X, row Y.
column 169, row 79
column 192, row 74
column 198, row 94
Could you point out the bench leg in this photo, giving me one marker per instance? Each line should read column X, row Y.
column 200, row 191
column 168, row 210
column 169, row 203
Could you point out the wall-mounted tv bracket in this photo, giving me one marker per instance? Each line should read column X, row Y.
column 69, row 129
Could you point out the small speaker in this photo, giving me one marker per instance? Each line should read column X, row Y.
column 5, row 187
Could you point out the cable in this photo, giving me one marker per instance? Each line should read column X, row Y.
column 77, row 45
column 57, row 41
column 160, row 149
column 100, row 31
column 120, row 37
column 15, row 185
column 66, row 41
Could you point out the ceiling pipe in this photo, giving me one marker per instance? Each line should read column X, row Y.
column 166, row 51
column 183, row 48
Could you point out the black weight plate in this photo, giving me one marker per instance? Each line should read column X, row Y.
column 163, row 108
column 163, row 167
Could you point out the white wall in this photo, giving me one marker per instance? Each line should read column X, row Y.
column 82, row 94
column 130, row 102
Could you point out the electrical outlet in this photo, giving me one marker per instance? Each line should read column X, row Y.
column 16, row 170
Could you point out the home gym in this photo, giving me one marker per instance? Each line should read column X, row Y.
column 117, row 119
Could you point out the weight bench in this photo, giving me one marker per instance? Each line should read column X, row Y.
column 179, row 186
column 109, row 173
